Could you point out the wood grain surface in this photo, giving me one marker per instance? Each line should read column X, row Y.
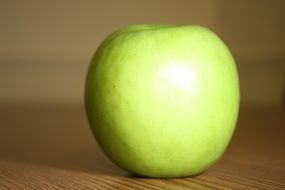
column 51, row 147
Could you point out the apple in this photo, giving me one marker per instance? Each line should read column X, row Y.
column 163, row 100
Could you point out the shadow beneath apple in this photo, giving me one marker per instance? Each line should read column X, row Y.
column 56, row 136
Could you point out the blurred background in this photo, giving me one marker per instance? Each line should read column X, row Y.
column 46, row 46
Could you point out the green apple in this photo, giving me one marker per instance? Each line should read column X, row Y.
column 163, row 100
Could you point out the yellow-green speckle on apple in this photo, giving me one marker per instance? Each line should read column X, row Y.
column 163, row 100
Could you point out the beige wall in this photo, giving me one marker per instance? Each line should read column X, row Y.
column 45, row 46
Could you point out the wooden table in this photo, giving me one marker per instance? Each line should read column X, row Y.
column 51, row 147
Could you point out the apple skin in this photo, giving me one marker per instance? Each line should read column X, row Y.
column 162, row 100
